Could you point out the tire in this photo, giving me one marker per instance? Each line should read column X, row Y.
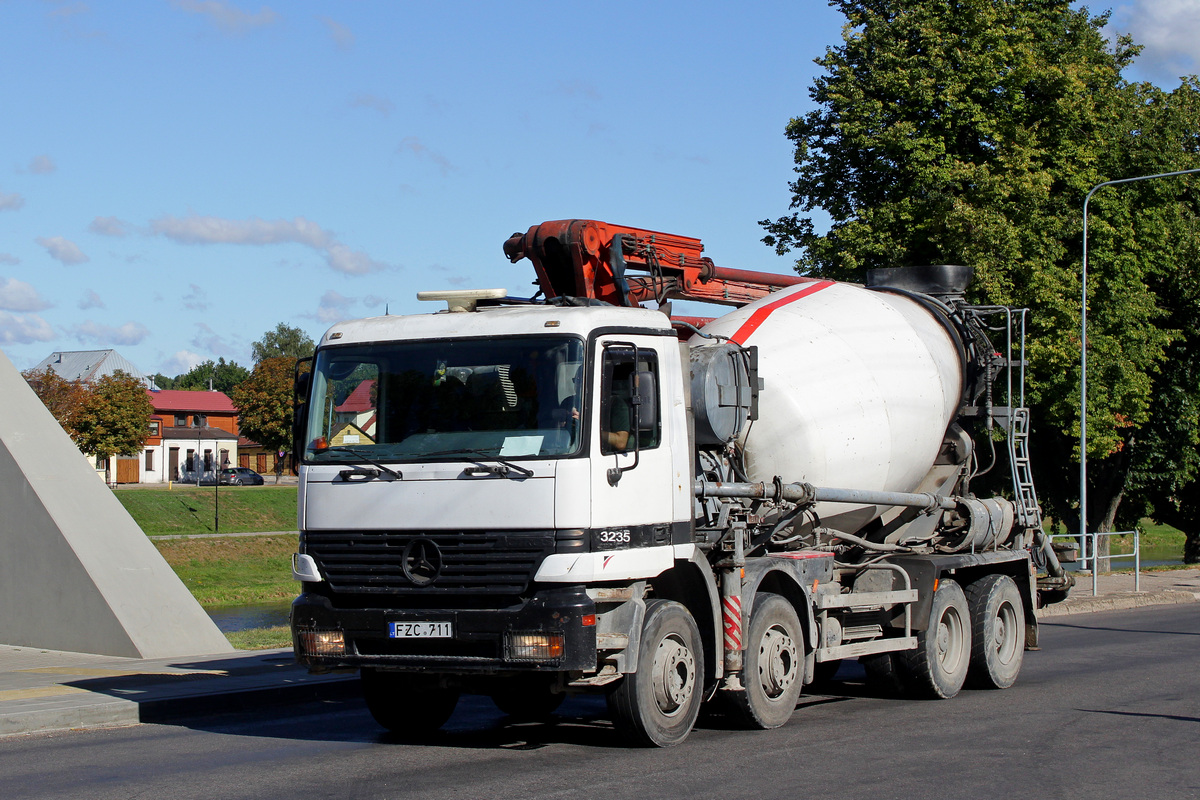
column 236, row 481
column 825, row 672
column 407, row 704
column 884, row 673
column 658, row 705
column 527, row 698
column 997, row 632
column 774, row 664
column 937, row 668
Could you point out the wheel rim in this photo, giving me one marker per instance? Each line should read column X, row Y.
column 950, row 640
column 674, row 675
column 777, row 660
column 1004, row 632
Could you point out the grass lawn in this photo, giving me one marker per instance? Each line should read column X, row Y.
column 261, row 638
column 190, row 510
column 235, row 571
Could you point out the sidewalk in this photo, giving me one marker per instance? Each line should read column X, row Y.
column 1115, row 592
column 47, row 690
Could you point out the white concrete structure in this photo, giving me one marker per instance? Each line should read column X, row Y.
column 77, row 573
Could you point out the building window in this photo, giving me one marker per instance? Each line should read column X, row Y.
column 154, row 427
column 149, row 461
column 180, row 420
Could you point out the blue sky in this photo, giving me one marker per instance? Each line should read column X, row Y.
column 179, row 176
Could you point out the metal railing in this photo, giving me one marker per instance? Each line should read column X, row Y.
column 1088, row 558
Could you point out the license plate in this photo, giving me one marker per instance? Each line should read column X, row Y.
column 420, row 630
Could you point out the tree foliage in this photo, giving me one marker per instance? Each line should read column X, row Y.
column 116, row 418
column 970, row 133
column 63, row 398
column 224, row 376
column 284, row 341
column 264, row 403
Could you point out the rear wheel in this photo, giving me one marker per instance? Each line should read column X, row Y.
column 997, row 632
column 774, row 665
column 937, row 667
column 658, row 704
column 407, row 704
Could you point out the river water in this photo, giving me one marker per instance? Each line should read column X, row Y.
column 240, row 618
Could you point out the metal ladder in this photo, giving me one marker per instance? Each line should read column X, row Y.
column 1029, row 512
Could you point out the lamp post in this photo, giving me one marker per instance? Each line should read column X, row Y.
column 1083, row 346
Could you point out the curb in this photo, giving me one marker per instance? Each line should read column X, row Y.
column 1117, row 602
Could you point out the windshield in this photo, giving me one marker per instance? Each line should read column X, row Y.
column 508, row 398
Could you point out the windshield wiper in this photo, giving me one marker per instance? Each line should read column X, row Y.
column 396, row 475
column 488, row 469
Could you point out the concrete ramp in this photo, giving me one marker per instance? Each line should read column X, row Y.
column 76, row 572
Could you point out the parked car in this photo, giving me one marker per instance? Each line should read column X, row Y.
column 241, row 476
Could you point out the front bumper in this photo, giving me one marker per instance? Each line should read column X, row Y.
column 482, row 642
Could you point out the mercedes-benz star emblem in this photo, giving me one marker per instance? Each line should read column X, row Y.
column 422, row 562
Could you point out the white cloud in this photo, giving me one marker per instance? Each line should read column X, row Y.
column 63, row 250
column 11, row 202
column 9, row 258
column 414, row 145
column 374, row 301
column 90, row 300
column 343, row 37
column 380, row 104
column 212, row 342
column 334, row 307
column 42, row 165
column 18, row 295
column 130, row 333
column 183, row 361
column 24, row 329
column 196, row 299
column 227, row 18
column 196, row 229
column 1169, row 31
column 109, row 226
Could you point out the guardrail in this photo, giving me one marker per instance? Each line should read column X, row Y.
column 1088, row 558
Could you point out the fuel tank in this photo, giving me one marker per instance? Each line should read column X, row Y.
column 859, row 387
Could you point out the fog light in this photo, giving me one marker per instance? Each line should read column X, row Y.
column 322, row 643
column 533, row 646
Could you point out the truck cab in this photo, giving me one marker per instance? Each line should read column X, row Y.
column 466, row 477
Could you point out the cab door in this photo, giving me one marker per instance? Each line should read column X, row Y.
column 631, row 465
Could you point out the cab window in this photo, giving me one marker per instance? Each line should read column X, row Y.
column 629, row 400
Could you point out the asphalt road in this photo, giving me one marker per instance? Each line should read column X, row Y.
column 1109, row 708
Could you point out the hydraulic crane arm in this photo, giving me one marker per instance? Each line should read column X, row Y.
column 628, row 266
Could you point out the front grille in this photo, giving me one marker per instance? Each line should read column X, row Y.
column 472, row 562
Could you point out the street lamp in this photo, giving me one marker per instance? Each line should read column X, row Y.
column 1083, row 344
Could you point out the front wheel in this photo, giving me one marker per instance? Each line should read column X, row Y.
column 937, row 668
column 774, row 667
column 527, row 698
column 407, row 704
column 997, row 632
column 658, row 705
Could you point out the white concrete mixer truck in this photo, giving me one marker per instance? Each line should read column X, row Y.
column 528, row 498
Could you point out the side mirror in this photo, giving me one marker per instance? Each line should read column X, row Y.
column 301, row 383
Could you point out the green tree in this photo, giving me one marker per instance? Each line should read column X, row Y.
column 63, row 398
column 970, row 133
column 224, row 376
column 284, row 341
column 264, row 403
column 115, row 419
